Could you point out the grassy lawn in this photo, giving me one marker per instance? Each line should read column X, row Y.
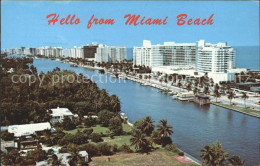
column 119, row 140
column 74, row 131
column 155, row 158
column 126, row 127
column 100, row 129
column 242, row 109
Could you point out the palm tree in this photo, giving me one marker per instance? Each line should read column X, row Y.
column 236, row 160
column 149, row 77
column 160, row 80
column 216, row 87
column 140, row 76
column 213, row 155
column 195, row 90
column 115, row 103
column 223, row 88
column 188, row 87
column 166, row 81
column 139, row 141
column 244, row 96
column 207, row 155
column 164, row 129
column 220, row 155
column 206, row 90
column 216, row 94
column 231, row 96
column 147, row 125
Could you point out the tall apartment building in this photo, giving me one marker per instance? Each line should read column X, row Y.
column 76, row 52
column 90, row 50
column 168, row 54
column 66, row 53
column 110, row 53
column 215, row 58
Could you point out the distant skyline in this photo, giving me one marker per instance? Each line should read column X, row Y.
column 25, row 24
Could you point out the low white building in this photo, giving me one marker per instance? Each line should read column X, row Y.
column 190, row 71
column 28, row 129
column 58, row 114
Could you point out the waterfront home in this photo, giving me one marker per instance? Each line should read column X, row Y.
column 24, row 135
column 58, row 114
column 28, row 129
column 187, row 96
column 202, row 99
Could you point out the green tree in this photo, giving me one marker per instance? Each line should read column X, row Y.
column 216, row 94
column 236, row 161
column 67, row 124
column 214, row 155
column 105, row 116
column 147, row 125
column 115, row 125
column 195, row 90
column 245, row 97
column 188, row 87
column 96, row 137
column 231, row 96
column 206, row 90
column 139, row 141
column 55, row 160
column 6, row 136
column 11, row 158
column 164, row 131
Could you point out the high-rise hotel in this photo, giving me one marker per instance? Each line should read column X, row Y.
column 214, row 58
column 204, row 57
column 113, row 54
column 168, row 54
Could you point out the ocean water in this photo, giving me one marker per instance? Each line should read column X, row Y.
column 246, row 56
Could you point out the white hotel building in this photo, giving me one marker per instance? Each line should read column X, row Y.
column 215, row 58
column 191, row 59
column 168, row 54
column 112, row 54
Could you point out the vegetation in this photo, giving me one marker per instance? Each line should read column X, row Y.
column 245, row 97
column 231, row 96
column 28, row 101
column 139, row 140
column 6, row 136
column 215, row 156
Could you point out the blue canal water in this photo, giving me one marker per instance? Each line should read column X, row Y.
column 194, row 126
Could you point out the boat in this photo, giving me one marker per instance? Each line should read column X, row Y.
column 74, row 65
column 185, row 96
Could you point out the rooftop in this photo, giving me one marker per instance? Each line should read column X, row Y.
column 28, row 129
column 61, row 112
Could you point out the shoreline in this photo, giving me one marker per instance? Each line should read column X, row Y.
column 234, row 109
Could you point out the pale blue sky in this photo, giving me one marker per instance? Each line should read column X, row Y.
column 25, row 23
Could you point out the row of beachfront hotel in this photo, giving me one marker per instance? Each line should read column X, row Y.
column 191, row 59
column 92, row 52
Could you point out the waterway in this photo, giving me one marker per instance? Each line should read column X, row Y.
column 194, row 126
